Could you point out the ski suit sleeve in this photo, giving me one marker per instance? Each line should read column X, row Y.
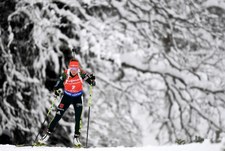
column 88, row 77
column 59, row 83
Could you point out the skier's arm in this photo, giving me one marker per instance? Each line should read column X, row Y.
column 88, row 77
column 59, row 84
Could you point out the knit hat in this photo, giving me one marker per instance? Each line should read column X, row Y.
column 74, row 63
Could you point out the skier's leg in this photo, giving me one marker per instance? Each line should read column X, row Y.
column 78, row 107
column 62, row 107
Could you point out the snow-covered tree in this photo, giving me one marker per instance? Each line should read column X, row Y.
column 159, row 66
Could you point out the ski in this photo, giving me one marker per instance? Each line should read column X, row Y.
column 44, row 145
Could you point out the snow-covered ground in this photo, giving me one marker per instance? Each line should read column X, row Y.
column 205, row 146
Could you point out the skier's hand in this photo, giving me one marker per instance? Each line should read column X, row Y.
column 93, row 82
column 90, row 78
column 58, row 92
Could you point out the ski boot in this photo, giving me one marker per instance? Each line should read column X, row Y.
column 76, row 141
column 43, row 140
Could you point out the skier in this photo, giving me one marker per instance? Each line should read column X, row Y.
column 71, row 83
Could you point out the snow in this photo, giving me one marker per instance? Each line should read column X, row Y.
column 116, row 43
column 205, row 146
column 218, row 3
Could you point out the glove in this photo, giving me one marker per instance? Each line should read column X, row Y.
column 90, row 78
column 58, row 92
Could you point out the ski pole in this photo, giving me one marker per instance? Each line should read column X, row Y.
column 49, row 111
column 89, row 111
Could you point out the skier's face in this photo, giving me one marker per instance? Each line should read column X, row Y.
column 74, row 71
